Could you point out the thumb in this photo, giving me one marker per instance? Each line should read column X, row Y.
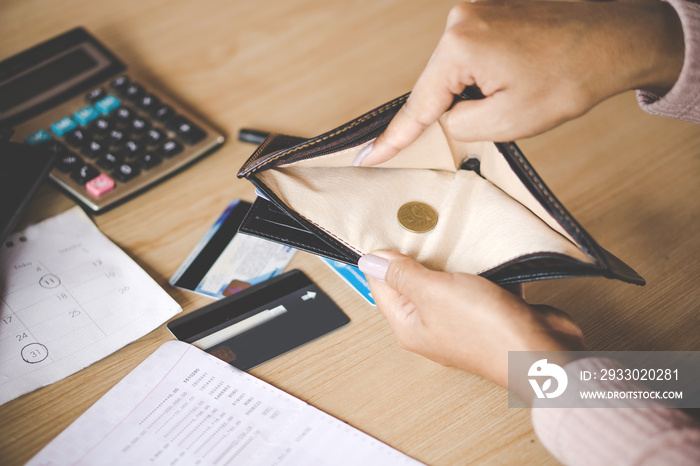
column 403, row 274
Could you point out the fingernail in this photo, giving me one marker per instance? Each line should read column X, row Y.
column 362, row 154
column 374, row 266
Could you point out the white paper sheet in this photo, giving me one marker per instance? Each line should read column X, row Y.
column 184, row 406
column 69, row 297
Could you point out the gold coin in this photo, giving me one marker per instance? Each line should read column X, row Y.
column 417, row 217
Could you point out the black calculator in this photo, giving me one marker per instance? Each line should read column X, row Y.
column 112, row 133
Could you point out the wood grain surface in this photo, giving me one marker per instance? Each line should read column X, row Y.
column 303, row 67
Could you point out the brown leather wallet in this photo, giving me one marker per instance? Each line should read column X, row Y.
column 495, row 215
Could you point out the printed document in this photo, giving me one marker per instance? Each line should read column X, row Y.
column 184, row 406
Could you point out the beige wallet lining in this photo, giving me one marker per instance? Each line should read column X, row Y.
column 482, row 222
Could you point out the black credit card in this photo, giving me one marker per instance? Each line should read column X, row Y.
column 261, row 322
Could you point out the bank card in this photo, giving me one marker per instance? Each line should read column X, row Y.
column 225, row 261
column 261, row 322
column 352, row 277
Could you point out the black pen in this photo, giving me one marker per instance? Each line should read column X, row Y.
column 253, row 136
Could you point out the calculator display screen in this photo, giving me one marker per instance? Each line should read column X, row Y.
column 52, row 72
column 44, row 78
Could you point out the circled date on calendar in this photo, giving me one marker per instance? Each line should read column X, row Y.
column 69, row 298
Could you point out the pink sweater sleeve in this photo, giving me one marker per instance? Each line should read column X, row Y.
column 683, row 100
column 617, row 436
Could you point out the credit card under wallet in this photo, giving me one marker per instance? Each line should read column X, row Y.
column 261, row 322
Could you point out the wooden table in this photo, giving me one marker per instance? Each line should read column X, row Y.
column 303, row 67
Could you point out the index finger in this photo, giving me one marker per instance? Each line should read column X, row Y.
column 431, row 96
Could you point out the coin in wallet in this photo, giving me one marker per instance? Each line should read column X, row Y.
column 417, row 217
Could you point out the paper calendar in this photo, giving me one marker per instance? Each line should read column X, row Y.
column 69, row 297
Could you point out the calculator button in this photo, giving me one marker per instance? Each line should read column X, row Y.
column 62, row 126
column 149, row 160
column 134, row 92
column 170, row 148
column 126, row 171
column 40, row 137
column 123, row 115
column 110, row 160
column 148, row 102
column 188, row 131
column 77, row 137
column 163, row 113
column 154, row 137
column 99, row 186
column 94, row 149
column 68, row 161
column 116, row 136
column 121, row 83
column 95, row 95
column 85, row 116
column 84, row 173
column 107, row 105
column 139, row 126
column 132, row 148
column 101, row 126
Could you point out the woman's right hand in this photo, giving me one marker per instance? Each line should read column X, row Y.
column 538, row 64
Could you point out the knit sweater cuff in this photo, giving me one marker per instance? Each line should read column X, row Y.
column 616, row 436
column 683, row 100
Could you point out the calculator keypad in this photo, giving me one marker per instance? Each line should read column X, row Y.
column 126, row 171
column 84, row 173
column 163, row 113
column 86, row 115
column 121, row 133
column 148, row 102
column 110, row 160
column 188, row 131
column 68, row 162
column 95, row 95
column 99, row 185
column 106, row 105
column 76, row 138
column 120, row 83
column 170, row 148
column 149, row 160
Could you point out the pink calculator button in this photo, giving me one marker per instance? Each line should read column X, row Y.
column 97, row 187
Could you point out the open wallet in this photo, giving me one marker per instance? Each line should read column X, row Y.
column 495, row 216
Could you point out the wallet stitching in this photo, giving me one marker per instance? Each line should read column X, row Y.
column 340, row 240
column 334, row 154
column 257, row 152
column 550, row 197
column 577, row 264
column 541, row 276
column 518, row 257
column 265, row 143
column 374, row 113
column 512, row 259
